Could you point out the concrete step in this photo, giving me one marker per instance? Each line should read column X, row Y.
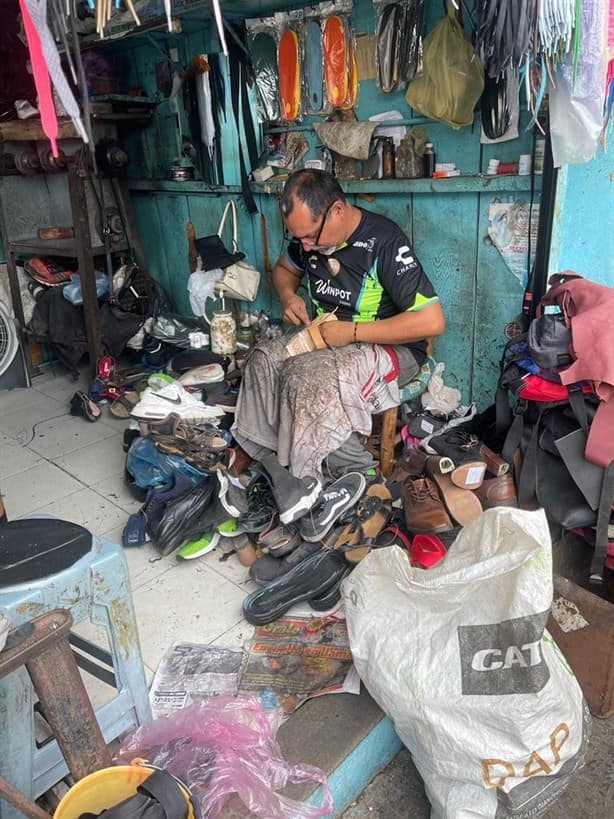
column 348, row 736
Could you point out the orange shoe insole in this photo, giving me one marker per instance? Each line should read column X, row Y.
column 289, row 74
column 352, row 94
column 334, row 46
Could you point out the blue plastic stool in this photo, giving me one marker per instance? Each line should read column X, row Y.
column 95, row 588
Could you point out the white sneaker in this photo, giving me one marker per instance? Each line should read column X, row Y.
column 158, row 404
column 25, row 110
column 206, row 374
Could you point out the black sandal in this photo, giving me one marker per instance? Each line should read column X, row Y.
column 81, row 404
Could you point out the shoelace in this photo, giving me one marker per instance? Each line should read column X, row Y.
column 423, row 492
column 464, row 440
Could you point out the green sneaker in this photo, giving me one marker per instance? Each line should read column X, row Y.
column 199, row 547
column 230, row 528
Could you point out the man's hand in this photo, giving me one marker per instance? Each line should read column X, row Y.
column 294, row 310
column 337, row 333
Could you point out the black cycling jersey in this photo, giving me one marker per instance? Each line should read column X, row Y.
column 373, row 275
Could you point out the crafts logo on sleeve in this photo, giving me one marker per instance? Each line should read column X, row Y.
column 503, row 658
column 405, row 259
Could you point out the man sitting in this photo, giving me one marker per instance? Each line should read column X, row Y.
column 310, row 409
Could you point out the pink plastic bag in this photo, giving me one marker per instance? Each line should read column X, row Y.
column 226, row 745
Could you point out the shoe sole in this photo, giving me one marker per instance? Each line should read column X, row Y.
column 349, row 505
column 282, row 608
column 303, row 505
column 469, row 475
column 209, row 548
column 462, row 505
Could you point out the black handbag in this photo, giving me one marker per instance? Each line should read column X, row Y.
column 549, row 341
column 160, row 796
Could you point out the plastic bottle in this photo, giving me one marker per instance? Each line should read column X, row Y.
column 428, row 159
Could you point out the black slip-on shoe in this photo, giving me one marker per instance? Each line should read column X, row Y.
column 311, row 578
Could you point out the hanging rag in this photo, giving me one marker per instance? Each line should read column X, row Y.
column 314, row 65
column 49, row 119
column 38, row 15
column 289, row 70
column 205, row 111
column 335, row 48
column 351, row 139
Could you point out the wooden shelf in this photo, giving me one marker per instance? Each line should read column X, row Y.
column 174, row 186
column 57, row 247
column 502, row 183
column 20, row 130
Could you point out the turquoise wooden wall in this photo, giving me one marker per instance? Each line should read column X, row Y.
column 447, row 220
column 583, row 234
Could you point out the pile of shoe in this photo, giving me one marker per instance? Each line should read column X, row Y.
column 450, row 484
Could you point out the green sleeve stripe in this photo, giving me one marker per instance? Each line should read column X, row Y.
column 422, row 301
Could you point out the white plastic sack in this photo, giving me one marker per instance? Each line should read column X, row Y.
column 201, row 286
column 459, row 658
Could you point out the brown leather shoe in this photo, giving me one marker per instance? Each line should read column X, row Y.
column 424, row 511
column 497, row 492
column 462, row 504
column 413, row 463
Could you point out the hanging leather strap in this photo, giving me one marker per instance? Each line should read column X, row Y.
column 240, row 105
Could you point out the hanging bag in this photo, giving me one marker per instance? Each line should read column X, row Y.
column 452, row 78
column 240, row 279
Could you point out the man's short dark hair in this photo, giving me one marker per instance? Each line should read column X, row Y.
column 316, row 189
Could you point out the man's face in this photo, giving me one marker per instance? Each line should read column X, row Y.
column 323, row 233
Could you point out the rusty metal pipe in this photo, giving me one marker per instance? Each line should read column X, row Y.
column 20, row 801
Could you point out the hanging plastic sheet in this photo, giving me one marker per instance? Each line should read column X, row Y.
column 314, row 66
column 352, row 93
column 388, row 30
column 410, row 47
column 335, row 48
column 263, row 50
column 577, row 96
column 289, row 74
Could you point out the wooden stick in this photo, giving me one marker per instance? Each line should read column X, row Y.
column 132, row 11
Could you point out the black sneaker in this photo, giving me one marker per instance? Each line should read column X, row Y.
column 458, row 445
column 261, row 508
column 334, row 502
column 232, row 497
column 294, row 496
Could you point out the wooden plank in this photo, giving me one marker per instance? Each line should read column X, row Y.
column 18, row 130
column 503, row 183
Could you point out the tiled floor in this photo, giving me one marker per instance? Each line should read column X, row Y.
column 53, row 463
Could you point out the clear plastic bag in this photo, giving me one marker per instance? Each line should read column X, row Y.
column 578, row 92
column 262, row 42
column 226, row 745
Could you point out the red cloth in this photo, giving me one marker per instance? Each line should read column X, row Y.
column 588, row 308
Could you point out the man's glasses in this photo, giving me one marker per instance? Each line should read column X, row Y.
column 316, row 241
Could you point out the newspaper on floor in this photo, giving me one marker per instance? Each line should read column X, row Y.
column 300, row 656
column 189, row 672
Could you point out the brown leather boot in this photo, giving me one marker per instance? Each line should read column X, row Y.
column 424, row 510
column 499, row 491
